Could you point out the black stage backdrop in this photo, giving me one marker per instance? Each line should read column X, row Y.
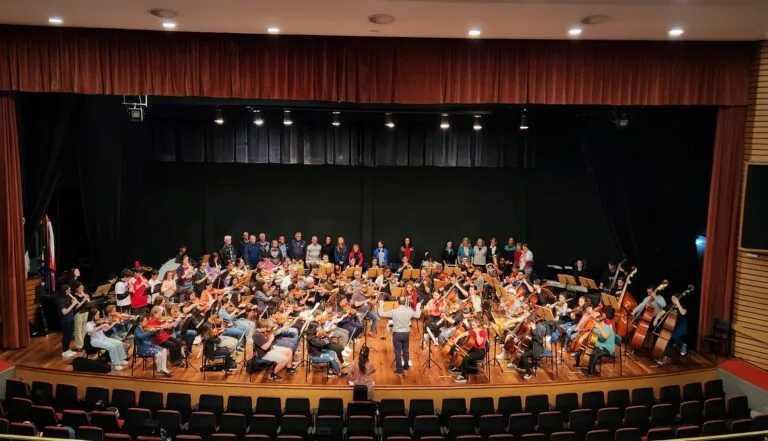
column 573, row 186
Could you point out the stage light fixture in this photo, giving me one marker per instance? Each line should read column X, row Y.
column 257, row 119
column 336, row 119
column 55, row 20
column 676, row 32
column 444, row 124
column 574, row 32
column 474, row 33
column 524, row 120
column 136, row 106
column 219, row 116
column 287, row 118
column 169, row 25
column 388, row 121
column 477, row 126
column 273, row 30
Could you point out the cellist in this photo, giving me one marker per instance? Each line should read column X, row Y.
column 479, row 338
column 605, row 345
column 533, row 351
column 681, row 329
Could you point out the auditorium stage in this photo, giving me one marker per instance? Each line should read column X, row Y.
column 42, row 361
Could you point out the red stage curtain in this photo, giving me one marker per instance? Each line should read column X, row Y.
column 15, row 330
column 718, row 273
column 373, row 70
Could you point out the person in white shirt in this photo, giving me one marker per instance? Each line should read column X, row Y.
column 152, row 282
column 314, row 253
column 526, row 260
column 96, row 328
column 480, row 253
column 121, row 291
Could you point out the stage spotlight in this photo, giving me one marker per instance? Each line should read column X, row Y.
column 336, row 119
column 622, row 121
column 257, row 119
column 524, row 121
column 287, row 118
column 444, row 124
column 477, row 126
column 136, row 114
column 219, row 117
column 136, row 106
column 388, row 121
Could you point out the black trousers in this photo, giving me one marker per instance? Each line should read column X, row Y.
column 67, row 331
column 401, row 343
column 594, row 358
column 469, row 360
column 174, row 348
column 525, row 361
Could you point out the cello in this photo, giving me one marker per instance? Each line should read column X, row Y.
column 626, row 304
column 519, row 342
column 641, row 329
column 589, row 342
column 668, row 322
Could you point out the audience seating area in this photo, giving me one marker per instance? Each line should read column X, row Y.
column 61, row 411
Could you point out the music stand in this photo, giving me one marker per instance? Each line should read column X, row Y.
column 544, row 313
column 609, row 300
column 588, row 283
column 562, row 278
column 349, row 272
column 102, row 290
column 570, row 280
column 429, row 363
column 374, row 272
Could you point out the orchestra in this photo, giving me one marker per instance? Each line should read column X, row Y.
column 275, row 296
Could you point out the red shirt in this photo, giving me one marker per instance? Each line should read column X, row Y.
column 162, row 336
column 138, row 299
column 407, row 251
column 518, row 253
column 479, row 335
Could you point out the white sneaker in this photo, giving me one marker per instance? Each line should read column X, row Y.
column 117, row 367
column 501, row 356
column 68, row 354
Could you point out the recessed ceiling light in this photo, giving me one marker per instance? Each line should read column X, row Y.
column 574, row 32
column 273, row 30
column 474, row 32
column 676, row 32
column 169, row 25
column 55, row 20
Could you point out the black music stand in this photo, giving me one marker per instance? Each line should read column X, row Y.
column 429, row 364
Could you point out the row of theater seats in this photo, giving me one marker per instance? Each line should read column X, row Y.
column 616, row 415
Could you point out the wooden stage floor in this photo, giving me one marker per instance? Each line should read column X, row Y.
column 43, row 354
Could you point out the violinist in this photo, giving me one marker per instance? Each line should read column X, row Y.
column 163, row 338
column 214, row 348
column 319, row 351
column 560, row 308
column 404, row 265
column 201, row 278
column 264, row 349
column 96, row 327
column 606, row 342
column 385, row 282
column 328, row 321
column 433, row 311
column 122, row 323
column 362, row 305
column 143, row 335
column 424, row 286
column 153, row 281
column 479, row 337
column 680, row 331
column 260, row 297
column 241, row 327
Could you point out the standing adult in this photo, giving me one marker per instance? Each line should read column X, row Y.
column 243, row 242
column 314, row 253
column 401, row 331
column 227, row 251
column 340, row 252
column 408, row 251
column 252, row 252
column 298, row 248
column 66, row 304
column 480, row 251
column 449, row 254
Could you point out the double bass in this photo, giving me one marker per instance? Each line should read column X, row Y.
column 626, row 304
column 668, row 322
column 641, row 329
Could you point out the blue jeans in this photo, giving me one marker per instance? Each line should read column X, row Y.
column 188, row 337
column 234, row 331
column 374, row 320
column 288, row 338
column 327, row 356
column 568, row 327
